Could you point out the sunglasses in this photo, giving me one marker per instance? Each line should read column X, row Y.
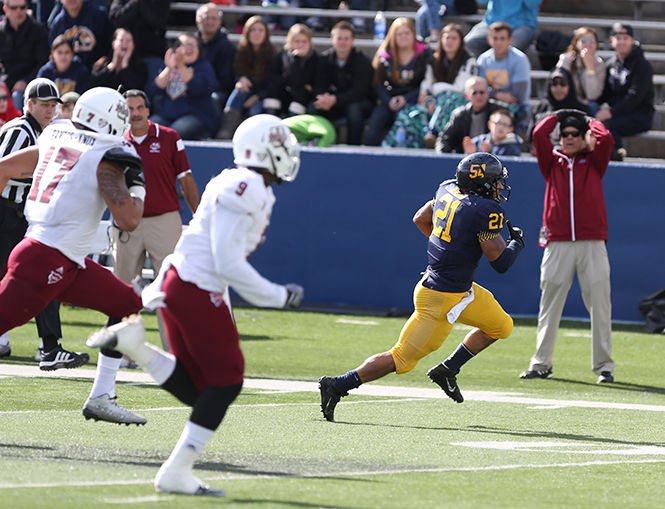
column 559, row 83
column 586, row 40
column 17, row 7
column 569, row 134
column 4, row 98
column 479, row 92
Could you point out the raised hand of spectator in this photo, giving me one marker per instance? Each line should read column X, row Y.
column 485, row 146
column 469, row 146
column 588, row 58
column 169, row 59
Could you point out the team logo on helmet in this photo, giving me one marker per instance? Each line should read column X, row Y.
column 277, row 135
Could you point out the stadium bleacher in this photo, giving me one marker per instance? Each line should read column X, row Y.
column 646, row 16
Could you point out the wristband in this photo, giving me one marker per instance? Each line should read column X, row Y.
column 137, row 192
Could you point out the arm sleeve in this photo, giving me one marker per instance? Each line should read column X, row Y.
column 228, row 245
column 602, row 151
column 542, row 144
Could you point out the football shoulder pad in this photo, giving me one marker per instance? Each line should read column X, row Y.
column 241, row 190
column 124, row 156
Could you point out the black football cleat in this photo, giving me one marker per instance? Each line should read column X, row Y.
column 446, row 379
column 330, row 396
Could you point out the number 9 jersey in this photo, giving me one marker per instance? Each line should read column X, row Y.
column 460, row 223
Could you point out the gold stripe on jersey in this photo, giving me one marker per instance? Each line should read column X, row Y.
column 428, row 326
column 483, row 236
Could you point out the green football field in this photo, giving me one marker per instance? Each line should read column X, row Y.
column 397, row 443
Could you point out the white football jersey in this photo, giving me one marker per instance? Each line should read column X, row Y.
column 64, row 205
column 229, row 224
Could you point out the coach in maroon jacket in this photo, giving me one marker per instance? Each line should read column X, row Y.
column 574, row 235
column 164, row 163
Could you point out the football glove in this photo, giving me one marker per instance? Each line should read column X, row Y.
column 515, row 233
column 294, row 295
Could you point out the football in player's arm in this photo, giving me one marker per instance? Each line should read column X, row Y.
column 463, row 223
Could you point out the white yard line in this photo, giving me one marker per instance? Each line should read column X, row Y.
column 363, row 390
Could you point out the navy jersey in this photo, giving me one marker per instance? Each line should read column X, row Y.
column 460, row 222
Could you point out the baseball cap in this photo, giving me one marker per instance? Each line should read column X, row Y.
column 576, row 122
column 43, row 89
column 70, row 97
column 621, row 28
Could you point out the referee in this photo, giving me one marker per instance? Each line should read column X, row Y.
column 41, row 101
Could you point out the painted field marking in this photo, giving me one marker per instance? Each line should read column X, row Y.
column 363, row 390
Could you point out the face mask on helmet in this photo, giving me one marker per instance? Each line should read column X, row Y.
column 102, row 110
column 484, row 175
column 265, row 142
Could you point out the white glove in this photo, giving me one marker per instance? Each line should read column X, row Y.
column 294, row 295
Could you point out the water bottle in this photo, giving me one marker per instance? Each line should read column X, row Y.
column 400, row 137
column 379, row 26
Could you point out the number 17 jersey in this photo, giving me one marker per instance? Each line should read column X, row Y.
column 64, row 205
column 460, row 222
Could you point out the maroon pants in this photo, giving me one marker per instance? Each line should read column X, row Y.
column 37, row 274
column 202, row 334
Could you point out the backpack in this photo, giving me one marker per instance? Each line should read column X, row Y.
column 652, row 307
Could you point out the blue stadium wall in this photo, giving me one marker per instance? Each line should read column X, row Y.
column 343, row 229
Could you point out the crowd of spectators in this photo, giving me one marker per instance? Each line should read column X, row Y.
column 408, row 94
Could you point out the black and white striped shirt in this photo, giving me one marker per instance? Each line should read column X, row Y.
column 14, row 135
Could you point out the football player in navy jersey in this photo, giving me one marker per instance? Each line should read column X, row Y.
column 463, row 222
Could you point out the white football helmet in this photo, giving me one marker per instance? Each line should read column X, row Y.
column 103, row 110
column 264, row 141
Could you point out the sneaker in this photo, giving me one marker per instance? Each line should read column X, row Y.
column 605, row 377
column 5, row 350
column 106, row 408
column 61, row 358
column 128, row 334
column 330, row 396
column 170, row 480
column 537, row 373
column 446, row 379
column 38, row 355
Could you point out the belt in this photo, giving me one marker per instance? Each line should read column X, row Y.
column 10, row 203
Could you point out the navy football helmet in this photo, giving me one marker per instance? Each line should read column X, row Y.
column 480, row 174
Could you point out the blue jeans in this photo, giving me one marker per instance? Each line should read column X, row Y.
column 238, row 98
column 189, row 127
column 382, row 117
column 476, row 40
column 427, row 17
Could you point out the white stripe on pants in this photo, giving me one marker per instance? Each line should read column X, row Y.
column 561, row 260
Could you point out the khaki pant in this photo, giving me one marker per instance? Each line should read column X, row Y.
column 561, row 261
column 156, row 235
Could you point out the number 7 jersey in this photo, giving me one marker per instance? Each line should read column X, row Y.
column 64, row 205
column 460, row 223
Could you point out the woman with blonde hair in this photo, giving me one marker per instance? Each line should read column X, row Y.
column 253, row 59
column 291, row 75
column 586, row 67
column 399, row 68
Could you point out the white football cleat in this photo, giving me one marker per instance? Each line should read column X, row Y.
column 123, row 336
column 171, row 480
column 106, row 408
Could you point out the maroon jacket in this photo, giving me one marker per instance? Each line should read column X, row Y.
column 580, row 177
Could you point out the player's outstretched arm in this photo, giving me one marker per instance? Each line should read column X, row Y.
column 423, row 219
column 18, row 165
column 127, row 209
column 500, row 255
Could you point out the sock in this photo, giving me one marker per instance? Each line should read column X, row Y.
column 190, row 445
column 348, row 381
column 4, row 338
column 107, row 368
column 459, row 357
column 160, row 364
column 49, row 342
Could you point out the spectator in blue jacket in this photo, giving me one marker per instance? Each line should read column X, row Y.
column 64, row 68
column 521, row 15
column 399, row 65
column 182, row 90
column 87, row 26
column 217, row 47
